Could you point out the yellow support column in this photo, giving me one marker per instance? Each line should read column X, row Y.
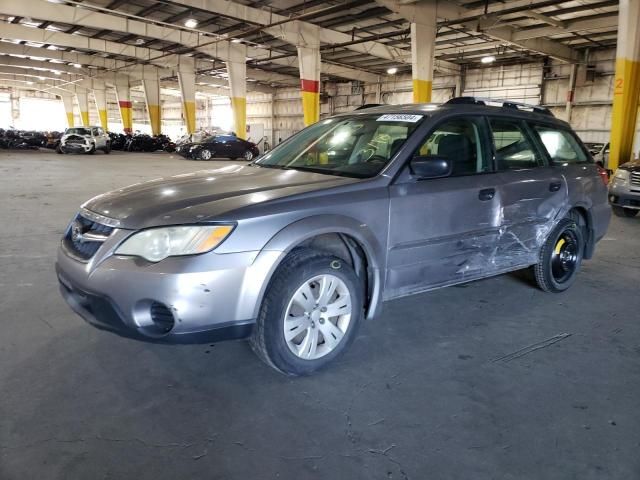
column 237, row 71
column 423, row 41
column 100, row 96
column 187, row 81
column 626, row 90
column 151, row 85
column 124, row 102
column 82, row 96
column 309, row 62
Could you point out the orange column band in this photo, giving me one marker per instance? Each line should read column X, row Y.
column 127, row 115
column 310, row 101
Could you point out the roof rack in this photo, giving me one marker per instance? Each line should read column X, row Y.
column 502, row 103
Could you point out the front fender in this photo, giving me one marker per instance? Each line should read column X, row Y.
column 297, row 232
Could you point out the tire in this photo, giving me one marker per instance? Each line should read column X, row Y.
column 107, row 149
column 248, row 155
column 205, row 154
column 93, row 149
column 560, row 257
column 624, row 212
column 59, row 150
column 302, row 269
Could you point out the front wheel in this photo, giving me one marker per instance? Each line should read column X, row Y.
column 59, row 149
column 93, row 149
column 624, row 212
column 248, row 155
column 205, row 154
column 560, row 257
column 310, row 313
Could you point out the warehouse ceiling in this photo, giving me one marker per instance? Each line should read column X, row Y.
column 377, row 38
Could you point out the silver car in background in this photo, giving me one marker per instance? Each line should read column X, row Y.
column 84, row 140
column 294, row 250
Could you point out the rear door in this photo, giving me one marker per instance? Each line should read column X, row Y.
column 444, row 231
column 531, row 191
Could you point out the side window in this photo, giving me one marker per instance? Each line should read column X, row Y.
column 561, row 145
column 94, row 132
column 459, row 140
column 514, row 150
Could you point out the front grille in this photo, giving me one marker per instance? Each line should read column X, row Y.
column 162, row 317
column 82, row 248
column 635, row 178
column 75, row 139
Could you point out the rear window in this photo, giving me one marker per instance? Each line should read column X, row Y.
column 561, row 145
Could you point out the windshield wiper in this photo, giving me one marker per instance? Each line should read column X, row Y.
column 267, row 165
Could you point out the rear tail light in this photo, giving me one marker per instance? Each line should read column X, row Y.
column 604, row 175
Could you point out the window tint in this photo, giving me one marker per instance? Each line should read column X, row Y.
column 561, row 145
column 459, row 141
column 514, row 150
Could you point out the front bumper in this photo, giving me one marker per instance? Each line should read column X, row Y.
column 625, row 195
column 210, row 297
column 76, row 147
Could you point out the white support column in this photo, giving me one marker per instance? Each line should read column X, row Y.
column 82, row 96
column 100, row 95
column 187, row 81
column 151, row 86
column 237, row 70
column 67, row 101
column 423, row 43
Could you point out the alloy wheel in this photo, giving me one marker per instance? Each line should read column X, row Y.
column 317, row 317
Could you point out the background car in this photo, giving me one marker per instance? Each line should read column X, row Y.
column 624, row 190
column 84, row 140
column 216, row 146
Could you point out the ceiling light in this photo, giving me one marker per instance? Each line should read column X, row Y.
column 236, row 40
column 56, row 72
column 77, row 65
column 392, row 70
column 29, row 83
column 139, row 41
column 488, row 59
column 52, row 47
column 191, row 23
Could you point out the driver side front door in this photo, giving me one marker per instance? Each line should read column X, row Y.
column 444, row 231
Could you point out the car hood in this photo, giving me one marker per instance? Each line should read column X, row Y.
column 205, row 195
column 633, row 166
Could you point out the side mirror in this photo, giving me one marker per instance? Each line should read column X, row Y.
column 430, row 166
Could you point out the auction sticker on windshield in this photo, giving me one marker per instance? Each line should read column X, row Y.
column 399, row 117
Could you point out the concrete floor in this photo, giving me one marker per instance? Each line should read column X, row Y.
column 426, row 391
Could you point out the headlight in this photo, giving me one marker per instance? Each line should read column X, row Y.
column 157, row 244
column 621, row 175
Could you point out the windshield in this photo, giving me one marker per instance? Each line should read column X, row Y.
column 78, row 131
column 209, row 139
column 358, row 146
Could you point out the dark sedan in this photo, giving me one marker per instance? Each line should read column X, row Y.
column 216, row 146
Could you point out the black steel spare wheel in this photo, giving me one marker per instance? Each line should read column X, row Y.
column 560, row 257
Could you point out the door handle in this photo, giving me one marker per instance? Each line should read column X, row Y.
column 555, row 186
column 487, row 194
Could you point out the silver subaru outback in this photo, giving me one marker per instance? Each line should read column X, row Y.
column 294, row 250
